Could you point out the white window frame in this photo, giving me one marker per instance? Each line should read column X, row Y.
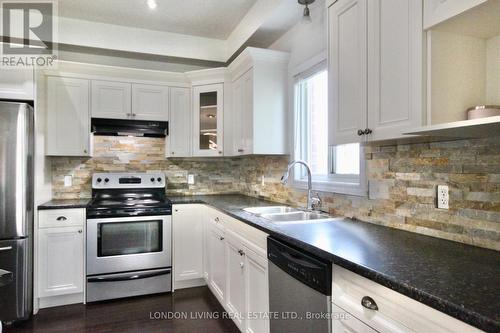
column 341, row 184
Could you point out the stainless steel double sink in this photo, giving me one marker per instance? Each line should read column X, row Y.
column 285, row 214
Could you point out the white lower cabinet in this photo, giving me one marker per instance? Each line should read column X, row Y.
column 61, row 257
column 394, row 313
column 343, row 322
column 235, row 272
column 187, row 243
column 217, row 250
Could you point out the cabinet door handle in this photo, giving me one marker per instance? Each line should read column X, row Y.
column 241, row 252
column 221, row 238
column 80, row 231
column 242, row 264
column 220, row 152
column 368, row 131
column 61, row 218
column 85, row 151
column 369, row 303
column 241, row 150
column 361, row 132
column 6, row 248
column 217, row 220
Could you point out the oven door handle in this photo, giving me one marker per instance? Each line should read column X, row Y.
column 129, row 276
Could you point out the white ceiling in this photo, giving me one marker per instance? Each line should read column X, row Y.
column 205, row 18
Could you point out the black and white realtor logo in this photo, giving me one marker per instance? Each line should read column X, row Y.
column 28, row 31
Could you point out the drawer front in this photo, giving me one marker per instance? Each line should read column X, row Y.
column 61, row 218
column 395, row 313
column 249, row 233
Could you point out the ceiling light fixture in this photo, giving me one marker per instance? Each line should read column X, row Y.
column 306, row 18
column 152, row 4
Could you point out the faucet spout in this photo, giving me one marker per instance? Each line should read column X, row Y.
column 284, row 179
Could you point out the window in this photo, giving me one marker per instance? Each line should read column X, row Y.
column 335, row 169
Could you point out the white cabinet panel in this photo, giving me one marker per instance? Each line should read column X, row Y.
column 437, row 11
column 235, row 278
column 150, row 102
column 343, row 322
column 208, row 115
column 111, row 100
column 17, row 83
column 256, row 290
column 68, row 117
column 242, row 125
column 180, row 123
column 188, row 242
column 217, row 250
column 347, row 73
column 395, row 67
column 60, row 261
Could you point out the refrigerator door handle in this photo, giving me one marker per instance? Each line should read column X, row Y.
column 6, row 248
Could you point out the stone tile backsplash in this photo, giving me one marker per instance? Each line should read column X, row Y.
column 402, row 181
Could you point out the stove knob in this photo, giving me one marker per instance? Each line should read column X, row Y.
column 99, row 180
column 159, row 179
column 152, row 180
column 106, row 180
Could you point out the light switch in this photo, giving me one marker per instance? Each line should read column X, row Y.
column 68, row 181
column 190, row 179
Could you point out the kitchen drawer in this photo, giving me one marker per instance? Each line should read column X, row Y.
column 396, row 312
column 249, row 233
column 61, row 218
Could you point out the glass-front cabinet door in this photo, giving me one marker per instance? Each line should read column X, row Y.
column 208, row 103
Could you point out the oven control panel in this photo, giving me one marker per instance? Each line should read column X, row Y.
column 128, row 180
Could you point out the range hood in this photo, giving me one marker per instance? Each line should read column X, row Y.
column 121, row 127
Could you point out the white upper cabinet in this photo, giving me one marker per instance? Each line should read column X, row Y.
column 437, row 11
column 347, row 70
column 208, row 113
column 179, row 138
column 111, row 100
column 150, row 102
column 395, row 67
column 257, row 115
column 375, row 78
column 16, row 84
column 68, row 117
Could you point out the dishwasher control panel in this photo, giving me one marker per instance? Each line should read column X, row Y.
column 303, row 266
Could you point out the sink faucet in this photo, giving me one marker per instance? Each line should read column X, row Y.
column 313, row 203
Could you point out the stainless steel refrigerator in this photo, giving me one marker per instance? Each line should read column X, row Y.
column 16, row 211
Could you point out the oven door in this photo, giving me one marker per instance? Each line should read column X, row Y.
column 128, row 244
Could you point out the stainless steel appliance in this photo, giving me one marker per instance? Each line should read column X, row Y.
column 128, row 236
column 300, row 289
column 16, row 211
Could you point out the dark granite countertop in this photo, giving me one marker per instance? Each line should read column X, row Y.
column 460, row 280
column 65, row 204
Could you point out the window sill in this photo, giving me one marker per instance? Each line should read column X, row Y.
column 356, row 189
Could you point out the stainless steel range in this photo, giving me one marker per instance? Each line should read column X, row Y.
column 128, row 236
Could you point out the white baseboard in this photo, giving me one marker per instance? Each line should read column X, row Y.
column 189, row 284
column 49, row 302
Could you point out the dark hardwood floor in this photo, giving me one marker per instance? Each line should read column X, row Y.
column 134, row 315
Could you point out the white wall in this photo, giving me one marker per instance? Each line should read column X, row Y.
column 493, row 71
column 305, row 41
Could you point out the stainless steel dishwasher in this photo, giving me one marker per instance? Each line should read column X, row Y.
column 299, row 290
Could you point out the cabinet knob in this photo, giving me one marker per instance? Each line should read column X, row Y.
column 361, row 132
column 242, row 264
column 241, row 150
column 369, row 303
column 85, row 151
column 368, row 131
column 173, row 153
column 61, row 218
column 241, row 252
column 221, row 238
column 220, row 152
column 80, row 231
column 216, row 219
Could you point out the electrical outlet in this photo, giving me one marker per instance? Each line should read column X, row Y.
column 191, row 179
column 443, row 197
column 68, row 181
